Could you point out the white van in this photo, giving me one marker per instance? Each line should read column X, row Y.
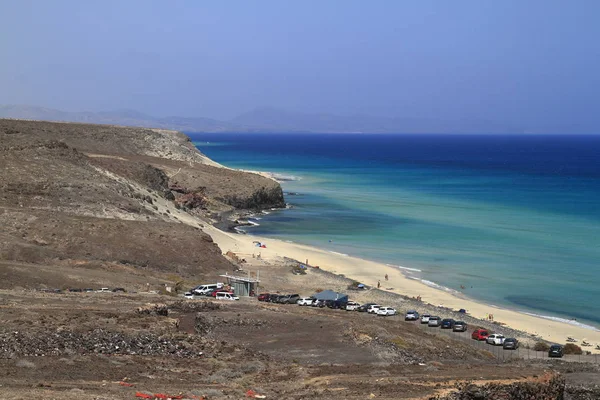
column 226, row 296
column 203, row 290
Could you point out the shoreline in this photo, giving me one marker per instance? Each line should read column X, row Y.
column 552, row 329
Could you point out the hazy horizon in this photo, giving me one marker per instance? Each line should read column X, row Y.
column 533, row 65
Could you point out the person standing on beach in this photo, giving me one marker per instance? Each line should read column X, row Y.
column 386, row 277
column 378, row 284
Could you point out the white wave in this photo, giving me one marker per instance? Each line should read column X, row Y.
column 239, row 230
column 253, row 223
column 283, row 177
column 406, row 268
column 564, row 321
column 436, row 286
column 339, row 254
column 265, row 212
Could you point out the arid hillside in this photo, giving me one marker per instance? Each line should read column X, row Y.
column 87, row 195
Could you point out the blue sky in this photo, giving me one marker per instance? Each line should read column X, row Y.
column 520, row 62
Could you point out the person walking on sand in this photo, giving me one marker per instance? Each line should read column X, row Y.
column 378, row 284
column 386, row 277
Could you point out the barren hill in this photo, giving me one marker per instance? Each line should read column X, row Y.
column 94, row 195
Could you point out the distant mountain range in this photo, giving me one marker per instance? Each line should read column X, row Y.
column 264, row 120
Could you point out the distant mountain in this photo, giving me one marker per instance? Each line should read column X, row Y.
column 121, row 117
column 264, row 120
column 286, row 121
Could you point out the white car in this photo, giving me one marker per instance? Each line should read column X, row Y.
column 103, row 290
column 386, row 311
column 434, row 321
column 412, row 316
column 305, row 301
column 226, row 296
column 496, row 339
column 352, row 306
column 425, row 318
column 373, row 308
column 190, row 295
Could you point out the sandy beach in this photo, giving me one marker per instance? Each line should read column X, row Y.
column 370, row 272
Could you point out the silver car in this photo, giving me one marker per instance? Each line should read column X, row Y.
column 434, row 321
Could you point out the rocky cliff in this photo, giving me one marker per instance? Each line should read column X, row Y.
column 97, row 194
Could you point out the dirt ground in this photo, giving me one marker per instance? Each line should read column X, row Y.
column 114, row 345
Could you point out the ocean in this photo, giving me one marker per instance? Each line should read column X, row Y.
column 512, row 219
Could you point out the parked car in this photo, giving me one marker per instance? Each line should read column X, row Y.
column 425, row 318
column 103, row 290
column 434, row 321
column 460, row 326
column 352, row 306
column 274, row 297
column 480, row 334
column 510, row 344
column 556, row 350
column 305, row 301
column 206, row 290
column 447, row 323
column 318, row 303
column 336, row 304
column 373, row 308
column 364, row 307
column 496, row 339
column 216, row 292
column 226, row 296
column 290, row 299
column 75, row 290
column 189, row 295
column 263, row 297
column 88, row 290
column 411, row 315
column 386, row 311
column 119, row 289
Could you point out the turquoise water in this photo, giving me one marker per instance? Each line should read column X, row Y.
column 515, row 220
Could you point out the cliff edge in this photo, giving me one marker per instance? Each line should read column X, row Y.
column 99, row 197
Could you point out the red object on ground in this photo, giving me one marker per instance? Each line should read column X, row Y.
column 143, row 395
column 251, row 393
column 126, row 384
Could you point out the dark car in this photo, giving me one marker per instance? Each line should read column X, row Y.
column 510, row 344
column 273, row 298
column 336, row 304
column 75, row 290
column 365, row 307
column 460, row 326
column 88, row 290
column 447, row 323
column 263, row 297
column 290, row 299
column 556, row 350
column 119, row 289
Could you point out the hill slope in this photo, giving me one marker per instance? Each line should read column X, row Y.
column 99, row 196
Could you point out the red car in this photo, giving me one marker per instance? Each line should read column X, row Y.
column 480, row 334
column 263, row 297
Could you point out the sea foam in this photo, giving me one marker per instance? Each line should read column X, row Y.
column 564, row 321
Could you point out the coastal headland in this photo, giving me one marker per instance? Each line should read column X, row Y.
column 92, row 206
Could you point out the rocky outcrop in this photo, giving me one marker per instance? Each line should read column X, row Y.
column 550, row 387
column 265, row 197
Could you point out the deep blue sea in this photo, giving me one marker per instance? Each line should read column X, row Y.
column 515, row 219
